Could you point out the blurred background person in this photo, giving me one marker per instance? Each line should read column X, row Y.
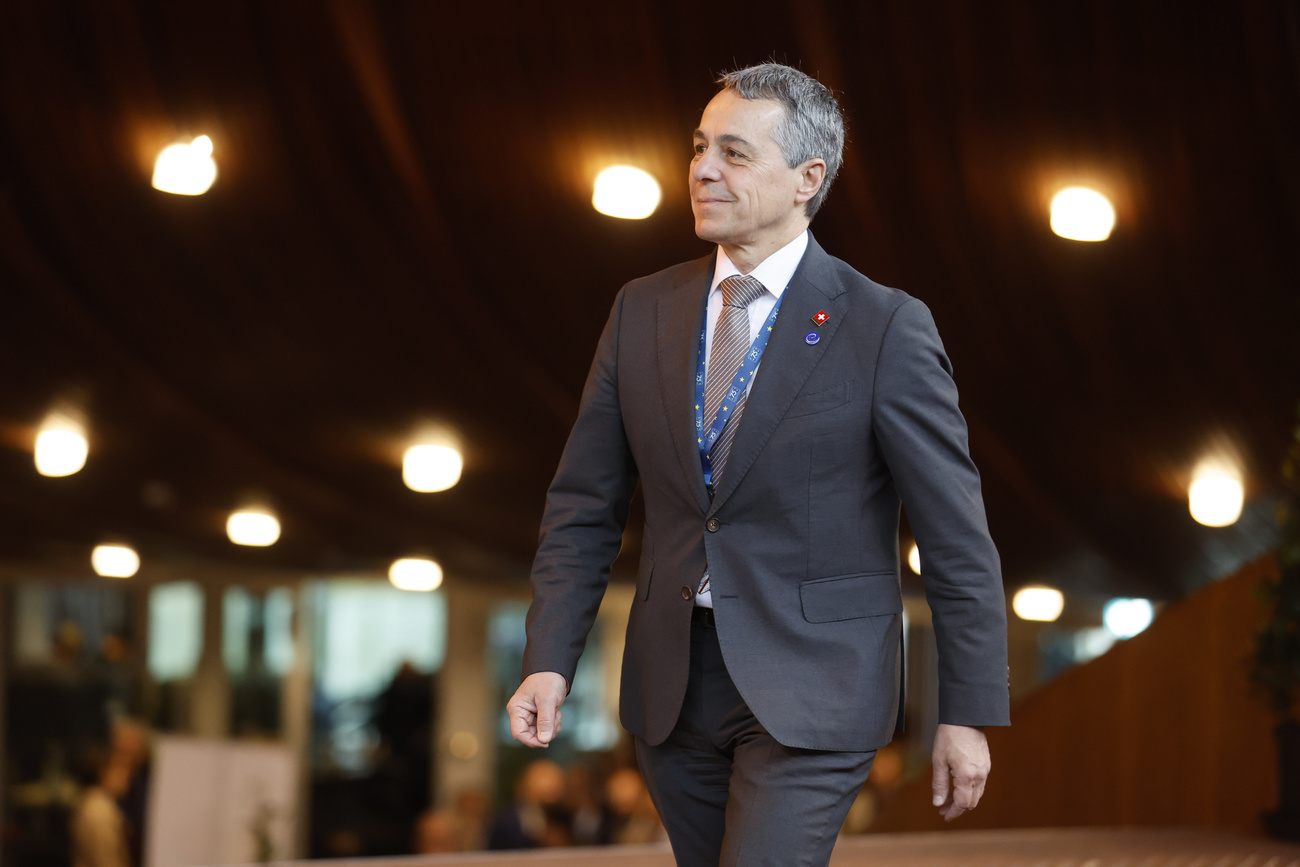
column 403, row 717
column 459, row 828
column 538, row 817
column 631, row 815
column 438, row 831
column 129, row 749
column 582, row 795
column 99, row 829
column 472, row 807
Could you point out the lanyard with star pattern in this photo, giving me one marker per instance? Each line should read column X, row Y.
column 748, row 365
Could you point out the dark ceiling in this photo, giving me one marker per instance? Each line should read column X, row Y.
column 401, row 233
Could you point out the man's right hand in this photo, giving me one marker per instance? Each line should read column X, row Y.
column 535, row 708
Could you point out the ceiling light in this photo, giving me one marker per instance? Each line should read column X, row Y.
column 1043, row 604
column 115, row 561
column 255, row 527
column 61, row 448
column 914, row 559
column 1092, row 643
column 1215, row 496
column 185, row 169
column 1082, row 215
column 626, row 193
column 415, row 573
column 1127, row 617
column 431, row 468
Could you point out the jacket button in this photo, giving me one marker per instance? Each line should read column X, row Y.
column 712, row 525
column 686, row 592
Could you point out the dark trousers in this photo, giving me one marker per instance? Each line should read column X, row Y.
column 729, row 793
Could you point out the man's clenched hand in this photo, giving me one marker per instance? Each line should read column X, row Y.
column 962, row 753
column 535, row 708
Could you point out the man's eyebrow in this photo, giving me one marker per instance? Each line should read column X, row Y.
column 727, row 138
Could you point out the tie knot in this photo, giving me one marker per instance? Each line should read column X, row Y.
column 739, row 291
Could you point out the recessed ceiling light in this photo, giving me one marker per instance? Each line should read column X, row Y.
column 255, row 527
column 115, row 561
column 1081, row 214
column 1035, row 602
column 1216, row 495
column 185, row 169
column 61, row 448
column 429, row 468
column 626, row 193
column 415, row 573
column 1127, row 617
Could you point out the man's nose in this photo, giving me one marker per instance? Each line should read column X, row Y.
column 705, row 167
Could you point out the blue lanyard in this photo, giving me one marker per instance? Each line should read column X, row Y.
column 748, row 364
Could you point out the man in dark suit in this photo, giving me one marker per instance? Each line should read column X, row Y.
column 775, row 406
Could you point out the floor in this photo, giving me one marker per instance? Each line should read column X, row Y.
column 1068, row 847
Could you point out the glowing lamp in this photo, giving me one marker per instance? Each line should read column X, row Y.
column 185, row 169
column 430, row 468
column 415, row 573
column 1125, row 618
column 626, row 193
column 253, row 527
column 114, row 561
column 61, row 449
column 1043, row 604
column 1082, row 215
column 1215, row 496
column 1092, row 643
column 914, row 559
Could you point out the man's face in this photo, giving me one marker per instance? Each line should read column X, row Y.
column 742, row 191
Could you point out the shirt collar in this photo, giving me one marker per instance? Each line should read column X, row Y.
column 774, row 272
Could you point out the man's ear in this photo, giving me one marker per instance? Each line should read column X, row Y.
column 811, row 175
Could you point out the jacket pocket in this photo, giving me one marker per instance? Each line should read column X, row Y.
column 643, row 576
column 844, row 597
column 646, row 568
column 821, row 400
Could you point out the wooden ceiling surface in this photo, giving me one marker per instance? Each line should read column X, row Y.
column 401, row 233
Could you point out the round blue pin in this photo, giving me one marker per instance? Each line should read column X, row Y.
column 811, row 338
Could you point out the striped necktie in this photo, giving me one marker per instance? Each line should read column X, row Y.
column 731, row 339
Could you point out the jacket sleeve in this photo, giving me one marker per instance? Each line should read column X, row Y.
column 582, row 526
column 923, row 438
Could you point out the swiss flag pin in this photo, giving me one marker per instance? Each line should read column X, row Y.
column 820, row 318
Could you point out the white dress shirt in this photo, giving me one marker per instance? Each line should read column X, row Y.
column 774, row 273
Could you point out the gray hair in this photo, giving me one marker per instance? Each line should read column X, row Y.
column 813, row 126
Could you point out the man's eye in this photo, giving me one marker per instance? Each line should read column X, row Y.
column 734, row 154
column 699, row 148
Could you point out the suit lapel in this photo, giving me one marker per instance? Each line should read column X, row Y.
column 681, row 316
column 787, row 362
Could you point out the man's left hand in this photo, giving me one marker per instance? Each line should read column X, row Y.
column 961, row 766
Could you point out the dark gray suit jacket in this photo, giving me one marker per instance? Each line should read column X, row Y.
column 801, row 537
